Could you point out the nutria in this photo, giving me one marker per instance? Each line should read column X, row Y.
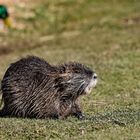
column 33, row 88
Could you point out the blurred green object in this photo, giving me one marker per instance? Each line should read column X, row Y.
column 3, row 12
column 4, row 15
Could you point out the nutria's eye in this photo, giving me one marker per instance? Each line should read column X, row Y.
column 76, row 71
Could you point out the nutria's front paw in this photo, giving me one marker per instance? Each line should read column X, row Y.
column 80, row 115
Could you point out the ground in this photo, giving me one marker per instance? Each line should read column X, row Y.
column 103, row 35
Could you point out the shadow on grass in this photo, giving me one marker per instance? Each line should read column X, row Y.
column 121, row 117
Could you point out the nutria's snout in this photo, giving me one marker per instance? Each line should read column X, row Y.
column 92, row 84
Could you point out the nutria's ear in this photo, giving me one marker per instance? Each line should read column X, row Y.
column 59, row 85
column 62, row 78
column 61, row 82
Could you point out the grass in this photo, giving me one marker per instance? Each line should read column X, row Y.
column 103, row 35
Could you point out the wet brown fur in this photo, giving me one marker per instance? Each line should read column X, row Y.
column 33, row 88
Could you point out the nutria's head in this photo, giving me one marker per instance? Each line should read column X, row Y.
column 76, row 78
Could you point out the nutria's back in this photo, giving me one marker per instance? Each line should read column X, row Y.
column 33, row 88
